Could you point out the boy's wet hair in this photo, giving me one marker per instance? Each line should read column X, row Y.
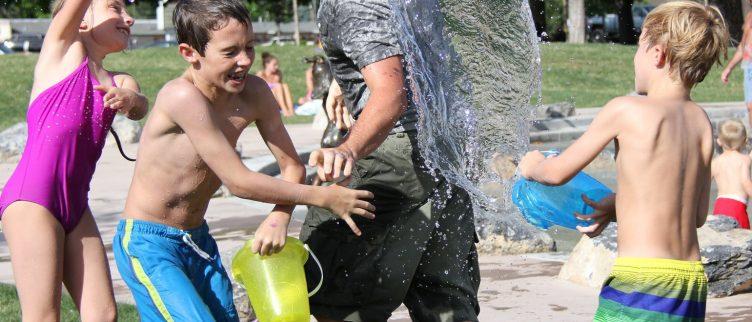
column 732, row 134
column 694, row 35
column 195, row 19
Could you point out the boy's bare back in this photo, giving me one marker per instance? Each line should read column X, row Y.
column 663, row 173
column 172, row 182
column 731, row 173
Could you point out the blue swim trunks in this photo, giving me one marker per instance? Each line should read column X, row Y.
column 747, row 69
column 174, row 275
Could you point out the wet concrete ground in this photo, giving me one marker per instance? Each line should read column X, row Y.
column 513, row 288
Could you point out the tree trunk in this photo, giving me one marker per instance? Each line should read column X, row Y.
column 296, row 22
column 576, row 21
column 733, row 13
column 538, row 8
column 626, row 23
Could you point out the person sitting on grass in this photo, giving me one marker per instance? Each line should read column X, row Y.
column 162, row 247
column 731, row 173
column 665, row 145
column 271, row 73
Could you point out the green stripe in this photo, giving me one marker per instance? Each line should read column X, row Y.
column 612, row 311
column 664, row 287
column 141, row 275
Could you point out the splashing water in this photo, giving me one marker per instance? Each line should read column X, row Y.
column 473, row 67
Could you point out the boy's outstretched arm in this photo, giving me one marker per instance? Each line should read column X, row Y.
column 560, row 169
column 271, row 235
column 190, row 110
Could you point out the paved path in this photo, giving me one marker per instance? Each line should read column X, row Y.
column 513, row 288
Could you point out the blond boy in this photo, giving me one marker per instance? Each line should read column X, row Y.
column 665, row 145
column 731, row 173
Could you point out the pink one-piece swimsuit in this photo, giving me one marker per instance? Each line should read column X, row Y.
column 68, row 125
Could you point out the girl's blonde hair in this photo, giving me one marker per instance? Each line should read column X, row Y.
column 694, row 35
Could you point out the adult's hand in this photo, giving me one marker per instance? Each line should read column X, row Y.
column 333, row 163
column 336, row 109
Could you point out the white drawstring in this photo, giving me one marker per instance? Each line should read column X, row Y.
column 189, row 241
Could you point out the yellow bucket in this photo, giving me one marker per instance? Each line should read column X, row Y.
column 276, row 284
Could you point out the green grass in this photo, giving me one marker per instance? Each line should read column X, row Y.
column 588, row 75
column 11, row 311
column 151, row 67
column 592, row 74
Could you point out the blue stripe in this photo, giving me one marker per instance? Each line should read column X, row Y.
column 686, row 308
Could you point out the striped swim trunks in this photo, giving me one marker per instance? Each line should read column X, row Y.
column 653, row 289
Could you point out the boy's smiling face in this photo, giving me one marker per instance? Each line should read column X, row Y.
column 227, row 58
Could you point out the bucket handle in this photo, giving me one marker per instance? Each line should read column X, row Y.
column 321, row 270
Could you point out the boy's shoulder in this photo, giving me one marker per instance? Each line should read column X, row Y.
column 254, row 86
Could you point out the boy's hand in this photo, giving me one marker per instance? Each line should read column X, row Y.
column 603, row 214
column 332, row 163
column 529, row 162
column 345, row 202
column 117, row 98
column 271, row 234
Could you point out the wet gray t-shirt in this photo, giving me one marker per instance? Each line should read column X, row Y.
column 355, row 34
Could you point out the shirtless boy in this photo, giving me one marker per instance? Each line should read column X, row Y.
column 162, row 246
column 665, row 144
column 731, row 173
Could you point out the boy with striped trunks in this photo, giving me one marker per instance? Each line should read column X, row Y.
column 162, row 247
column 665, row 145
column 731, row 173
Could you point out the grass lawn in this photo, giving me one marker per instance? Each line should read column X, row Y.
column 588, row 75
column 591, row 74
column 11, row 311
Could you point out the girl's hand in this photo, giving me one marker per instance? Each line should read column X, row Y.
column 117, row 98
column 725, row 75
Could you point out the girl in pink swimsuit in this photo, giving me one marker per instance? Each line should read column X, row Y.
column 46, row 220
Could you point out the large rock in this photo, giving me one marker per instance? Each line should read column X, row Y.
column 726, row 253
column 12, row 142
column 129, row 131
column 239, row 295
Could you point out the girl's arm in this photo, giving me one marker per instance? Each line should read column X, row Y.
column 739, row 54
column 63, row 30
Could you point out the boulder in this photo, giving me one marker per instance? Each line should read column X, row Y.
column 726, row 253
column 239, row 296
column 129, row 131
column 12, row 142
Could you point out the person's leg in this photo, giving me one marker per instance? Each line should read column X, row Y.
column 35, row 239
column 151, row 267
column 288, row 99
column 747, row 71
column 445, row 285
column 366, row 277
column 86, row 273
column 279, row 96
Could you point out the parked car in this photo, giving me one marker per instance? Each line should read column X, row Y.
column 4, row 50
column 25, row 43
column 605, row 28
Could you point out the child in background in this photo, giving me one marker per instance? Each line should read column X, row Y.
column 271, row 73
column 665, row 145
column 731, row 173
column 46, row 220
